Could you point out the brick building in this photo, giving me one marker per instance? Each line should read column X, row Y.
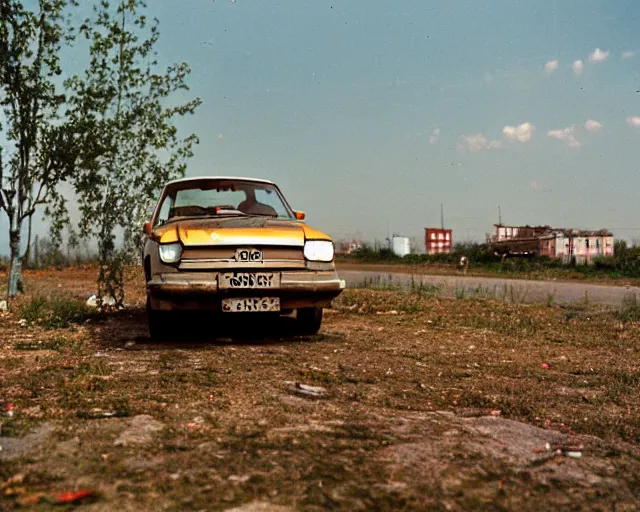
column 438, row 241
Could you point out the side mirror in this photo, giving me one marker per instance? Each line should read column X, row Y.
column 300, row 215
column 147, row 228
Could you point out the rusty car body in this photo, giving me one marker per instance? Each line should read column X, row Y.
column 234, row 245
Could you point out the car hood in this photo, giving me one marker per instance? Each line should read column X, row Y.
column 237, row 231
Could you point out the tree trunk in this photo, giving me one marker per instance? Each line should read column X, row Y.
column 35, row 253
column 15, row 271
column 26, row 258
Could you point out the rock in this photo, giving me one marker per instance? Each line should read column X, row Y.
column 141, row 431
column 239, row 479
column 3, row 306
column 306, row 390
column 107, row 300
column 17, row 446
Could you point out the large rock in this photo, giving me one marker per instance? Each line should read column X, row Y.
column 141, row 431
column 11, row 447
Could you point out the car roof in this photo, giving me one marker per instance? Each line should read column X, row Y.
column 239, row 178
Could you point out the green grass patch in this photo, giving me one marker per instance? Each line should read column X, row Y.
column 56, row 313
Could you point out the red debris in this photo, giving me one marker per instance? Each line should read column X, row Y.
column 73, row 496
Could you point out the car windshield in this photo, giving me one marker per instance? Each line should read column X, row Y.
column 201, row 198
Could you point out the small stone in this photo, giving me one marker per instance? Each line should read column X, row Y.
column 306, row 390
column 239, row 479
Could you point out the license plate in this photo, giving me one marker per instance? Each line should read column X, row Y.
column 251, row 305
column 237, row 280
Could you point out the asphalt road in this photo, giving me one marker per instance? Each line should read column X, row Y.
column 516, row 290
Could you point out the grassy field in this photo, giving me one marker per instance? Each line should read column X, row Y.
column 404, row 401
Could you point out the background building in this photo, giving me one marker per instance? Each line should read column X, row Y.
column 400, row 245
column 568, row 245
column 438, row 240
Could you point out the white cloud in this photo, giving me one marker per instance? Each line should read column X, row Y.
column 435, row 135
column 593, row 126
column 477, row 142
column 566, row 135
column 634, row 121
column 599, row 55
column 551, row 66
column 628, row 55
column 522, row 133
column 577, row 67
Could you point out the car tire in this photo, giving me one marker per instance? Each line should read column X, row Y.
column 159, row 323
column 309, row 320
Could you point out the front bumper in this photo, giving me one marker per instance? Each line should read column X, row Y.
column 201, row 290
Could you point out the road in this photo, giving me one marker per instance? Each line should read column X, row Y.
column 517, row 290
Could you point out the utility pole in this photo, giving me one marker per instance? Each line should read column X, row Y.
column 499, row 216
column 441, row 215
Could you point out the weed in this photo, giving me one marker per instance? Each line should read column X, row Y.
column 423, row 289
column 57, row 313
column 35, row 310
column 378, row 283
column 550, row 299
column 517, row 295
column 630, row 309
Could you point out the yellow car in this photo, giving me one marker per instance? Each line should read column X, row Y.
column 236, row 246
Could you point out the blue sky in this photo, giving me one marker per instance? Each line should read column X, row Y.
column 371, row 113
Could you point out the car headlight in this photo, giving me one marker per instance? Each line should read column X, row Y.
column 170, row 253
column 318, row 250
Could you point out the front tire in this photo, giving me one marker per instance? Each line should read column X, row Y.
column 309, row 320
column 159, row 323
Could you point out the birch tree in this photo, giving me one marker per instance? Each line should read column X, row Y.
column 125, row 101
column 36, row 146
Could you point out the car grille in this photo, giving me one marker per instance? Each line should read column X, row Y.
column 208, row 258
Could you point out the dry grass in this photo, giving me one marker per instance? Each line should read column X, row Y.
column 409, row 381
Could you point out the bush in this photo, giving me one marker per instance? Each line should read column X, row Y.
column 375, row 254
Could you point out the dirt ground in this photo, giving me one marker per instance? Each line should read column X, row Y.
column 404, row 401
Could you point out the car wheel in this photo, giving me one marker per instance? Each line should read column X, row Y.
column 309, row 320
column 159, row 323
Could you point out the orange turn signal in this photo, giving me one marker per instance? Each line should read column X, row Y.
column 300, row 215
